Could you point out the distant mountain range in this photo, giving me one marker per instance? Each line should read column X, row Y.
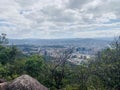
column 64, row 42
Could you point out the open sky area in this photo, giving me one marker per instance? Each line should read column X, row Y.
column 53, row 19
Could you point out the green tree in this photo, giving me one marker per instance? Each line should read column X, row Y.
column 35, row 67
column 8, row 54
column 3, row 39
column 107, row 66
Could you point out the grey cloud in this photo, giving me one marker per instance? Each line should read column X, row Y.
column 26, row 3
column 48, row 18
column 77, row 3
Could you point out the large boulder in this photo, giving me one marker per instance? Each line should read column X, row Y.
column 25, row 82
column 3, row 86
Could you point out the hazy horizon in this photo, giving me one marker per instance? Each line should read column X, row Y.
column 102, row 38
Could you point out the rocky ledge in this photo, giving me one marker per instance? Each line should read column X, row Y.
column 24, row 82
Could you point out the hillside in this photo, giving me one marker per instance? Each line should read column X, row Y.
column 64, row 42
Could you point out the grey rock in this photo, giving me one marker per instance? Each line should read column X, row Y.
column 24, row 82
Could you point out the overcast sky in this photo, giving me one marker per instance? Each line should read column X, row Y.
column 51, row 19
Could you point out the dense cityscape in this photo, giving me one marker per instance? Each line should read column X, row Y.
column 82, row 52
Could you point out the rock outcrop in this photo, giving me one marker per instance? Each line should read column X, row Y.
column 3, row 86
column 24, row 82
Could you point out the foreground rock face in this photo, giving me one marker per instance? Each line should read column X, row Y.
column 23, row 82
column 3, row 86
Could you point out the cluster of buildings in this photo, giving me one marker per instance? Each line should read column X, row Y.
column 77, row 56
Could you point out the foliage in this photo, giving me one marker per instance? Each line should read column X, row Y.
column 3, row 39
column 8, row 54
column 101, row 73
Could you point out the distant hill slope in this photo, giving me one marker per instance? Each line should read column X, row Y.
column 65, row 42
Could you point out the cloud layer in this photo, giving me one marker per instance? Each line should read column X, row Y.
column 60, row 18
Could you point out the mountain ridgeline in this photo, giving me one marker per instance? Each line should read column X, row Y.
column 64, row 42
